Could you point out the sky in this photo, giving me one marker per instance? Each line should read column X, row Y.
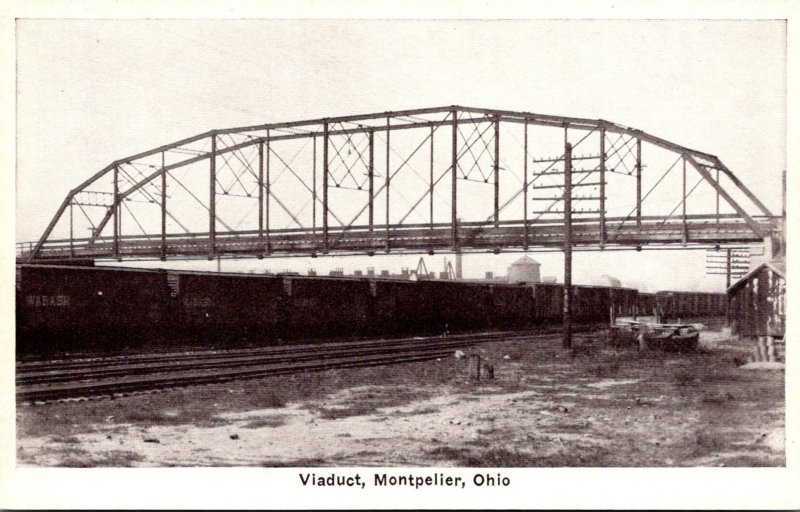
column 89, row 92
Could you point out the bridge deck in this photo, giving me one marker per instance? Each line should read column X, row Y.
column 418, row 238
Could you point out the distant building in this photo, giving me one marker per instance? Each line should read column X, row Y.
column 549, row 280
column 524, row 270
column 757, row 310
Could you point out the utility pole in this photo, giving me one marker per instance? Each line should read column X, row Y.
column 567, row 318
column 212, row 198
column 727, row 268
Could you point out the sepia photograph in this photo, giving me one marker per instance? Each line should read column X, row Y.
column 437, row 250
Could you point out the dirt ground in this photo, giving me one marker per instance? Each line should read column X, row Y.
column 545, row 407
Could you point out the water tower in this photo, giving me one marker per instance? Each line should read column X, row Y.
column 524, row 270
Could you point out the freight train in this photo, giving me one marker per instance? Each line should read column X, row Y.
column 106, row 309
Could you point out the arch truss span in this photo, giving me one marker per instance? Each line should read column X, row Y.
column 435, row 179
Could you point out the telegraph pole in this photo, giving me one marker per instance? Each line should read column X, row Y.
column 727, row 268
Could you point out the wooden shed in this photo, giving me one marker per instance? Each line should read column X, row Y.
column 757, row 311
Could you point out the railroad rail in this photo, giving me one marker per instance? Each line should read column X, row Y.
column 108, row 376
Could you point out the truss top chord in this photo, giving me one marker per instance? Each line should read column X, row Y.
column 229, row 155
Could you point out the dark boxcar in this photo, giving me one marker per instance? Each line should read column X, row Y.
column 646, row 304
column 687, row 305
column 459, row 306
column 623, row 300
column 318, row 307
column 512, row 306
column 73, row 308
column 221, row 308
column 591, row 304
column 548, row 303
column 402, row 307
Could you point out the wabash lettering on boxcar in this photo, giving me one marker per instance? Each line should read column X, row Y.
column 197, row 302
column 39, row 301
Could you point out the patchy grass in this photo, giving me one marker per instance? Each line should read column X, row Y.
column 369, row 400
column 357, row 409
column 111, row 459
column 606, row 369
column 297, row 463
column 198, row 405
column 707, row 442
column 716, row 398
column 568, row 428
column 270, row 421
column 489, row 458
column 65, row 439
column 502, row 458
column 418, row 411
column 448, row 453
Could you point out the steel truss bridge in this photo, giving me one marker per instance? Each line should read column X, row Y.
column 435, row 179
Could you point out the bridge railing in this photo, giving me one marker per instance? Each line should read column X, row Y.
column 412, row 237
column 24, row 248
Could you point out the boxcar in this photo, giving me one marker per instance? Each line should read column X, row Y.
column 226, row 307
column 74, row 308
column 325, row 307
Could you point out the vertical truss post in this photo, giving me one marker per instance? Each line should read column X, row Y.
column 525, row 187
column 117, row 224
column 388, row 179
column 567, row 320
column 497, row 172
column 683, row 204
column 454, row 186
column 430, row 190
column 325, row 187
column 163, row 209
column 267, row 194
column 371, row 172
column 261, row 194
column 717, row 199
column 119, row 220
column 71, row 232
column 602, row 186
column 212, row 198
column 314, row 191
column 639, row 182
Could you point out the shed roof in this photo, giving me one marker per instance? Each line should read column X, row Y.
column 777, row 266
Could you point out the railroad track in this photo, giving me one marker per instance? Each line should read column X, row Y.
column 140, row 365
column 45, row 381
column 89, row 361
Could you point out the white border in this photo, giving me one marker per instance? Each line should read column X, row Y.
column 279, row 488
